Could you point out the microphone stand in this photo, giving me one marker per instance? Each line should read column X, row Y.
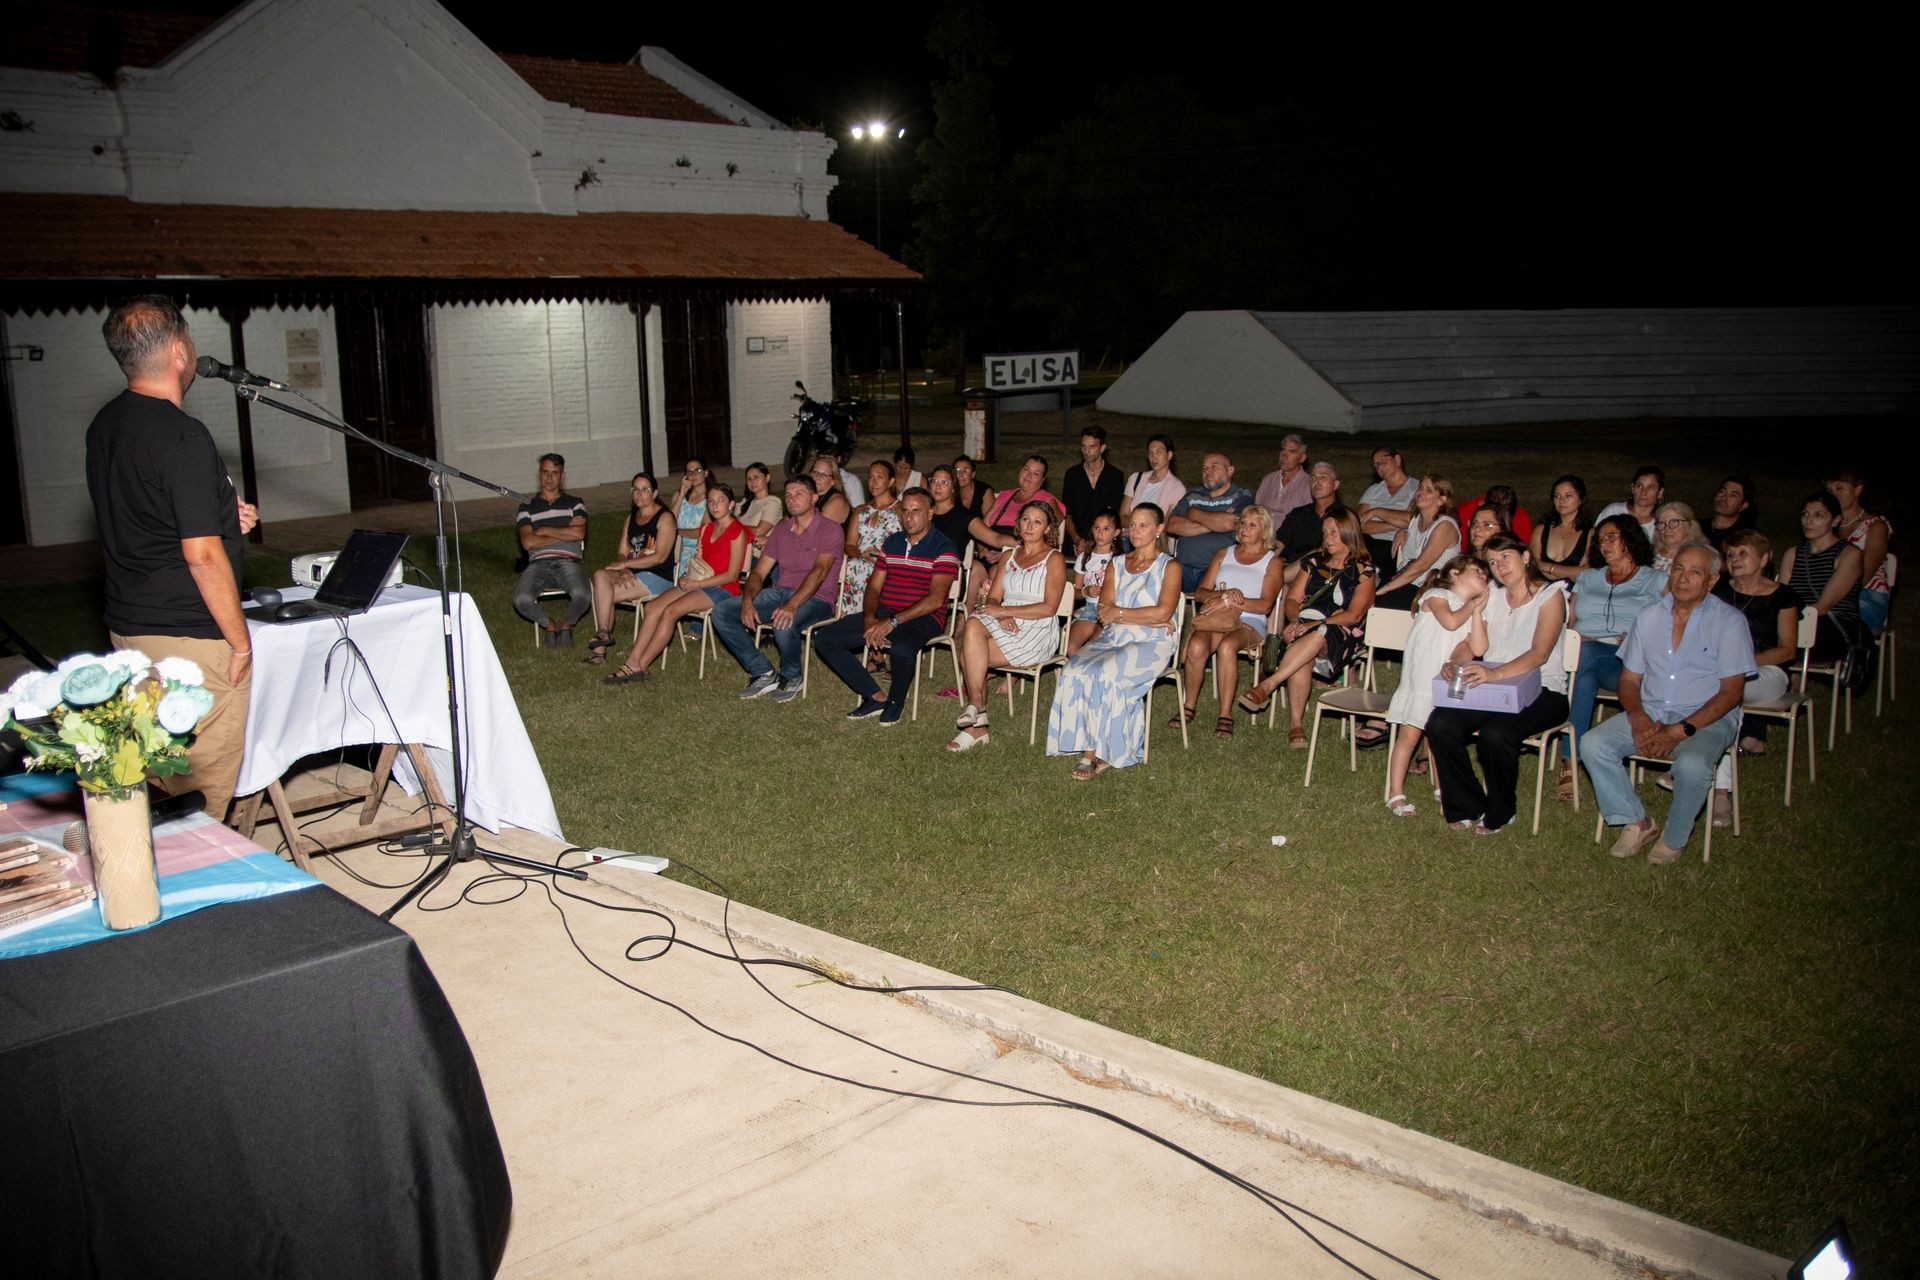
column 459, row 846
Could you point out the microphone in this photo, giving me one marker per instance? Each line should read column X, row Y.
column 208, row 367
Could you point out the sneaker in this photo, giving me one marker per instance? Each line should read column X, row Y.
column 868, row 707
column 563, row 638
column 1722, row 809
column 891, row 715
column 1663, row 853
column 787, row 692
column 766, row 682
column 1633, row 837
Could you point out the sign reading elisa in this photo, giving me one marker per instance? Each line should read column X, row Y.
column 1033, row 370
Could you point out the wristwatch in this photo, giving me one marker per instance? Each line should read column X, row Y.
column 1689, row 727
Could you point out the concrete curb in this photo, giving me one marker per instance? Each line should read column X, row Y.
column 1594, row 1224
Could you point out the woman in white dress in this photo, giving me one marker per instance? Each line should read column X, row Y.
column 1516, row 632
column 1455, row 592
column 1099, row 706
column 1015, row 627
column 1242, row 583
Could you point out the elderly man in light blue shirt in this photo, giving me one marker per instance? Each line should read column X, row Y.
column 1686, row 662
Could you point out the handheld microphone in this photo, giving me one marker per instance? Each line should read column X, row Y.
column 208, row 367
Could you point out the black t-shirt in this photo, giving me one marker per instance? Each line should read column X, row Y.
column 1300, row 532
column 155, row 478
column 1084, row 501
column 1761, row 612
column 954, row 524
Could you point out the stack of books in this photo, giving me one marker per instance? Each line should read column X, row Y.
column 38, row 881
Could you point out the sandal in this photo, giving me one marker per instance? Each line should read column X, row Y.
column 625, row 675
column 1255, row 700
column 1482, row 829
column 972, row 717
column 1563, row 790
column 1087, row 770
column 595, row 657
column 1369, row 736
column 1184, row 716
column 1418, row 767
column 964, row 741
column 602, row 640
column 1296, row 737
column 1400, row 807
column 1465, row 824
column 1223, row 727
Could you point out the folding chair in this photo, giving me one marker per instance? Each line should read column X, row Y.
column 1831, row 671
column 1275, row 619
column 949, row 639
column 764, row 631
column 1175, row 672
column 1886, row 681
column 1062, row 617
column 1544, row 741
column 1790, row 707
column 551, row 593
column 1386, row 629
column 1634, row 764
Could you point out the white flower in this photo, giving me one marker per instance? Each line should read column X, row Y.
column 179, row 711
column 134, row 662
column 180, row 671
column 75, row 662
column 88, row 754
column 45, row 691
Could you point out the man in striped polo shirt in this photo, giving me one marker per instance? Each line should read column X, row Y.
column 906, row 606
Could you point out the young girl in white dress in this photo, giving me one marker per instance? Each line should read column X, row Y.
column 1442, row 614
column 1089, row 575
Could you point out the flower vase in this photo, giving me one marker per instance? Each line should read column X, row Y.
column 120, row 835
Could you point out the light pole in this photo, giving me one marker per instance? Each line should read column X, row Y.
column 876, row 134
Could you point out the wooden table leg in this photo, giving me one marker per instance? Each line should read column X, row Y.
column 246, row 814
column 283, row 813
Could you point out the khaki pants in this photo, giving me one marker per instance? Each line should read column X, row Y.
column 221, row 739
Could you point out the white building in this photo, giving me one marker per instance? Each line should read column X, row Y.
column 462, row 252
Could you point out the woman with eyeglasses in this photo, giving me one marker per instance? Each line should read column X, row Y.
column 1606, row 600
column 689, row 509
column 833, row 501
column 1674, row 526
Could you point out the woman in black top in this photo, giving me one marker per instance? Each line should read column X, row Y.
column 1825, row 571
column 1772, row 611
column 642, row 570
column 1560, row 540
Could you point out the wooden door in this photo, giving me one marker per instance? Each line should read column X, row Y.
column 386, row 390
column 694, row 350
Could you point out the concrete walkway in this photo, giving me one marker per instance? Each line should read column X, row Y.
column 642, row 1141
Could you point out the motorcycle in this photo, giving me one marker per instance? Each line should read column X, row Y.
column 825, row 428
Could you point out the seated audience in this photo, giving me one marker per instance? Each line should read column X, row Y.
column 1285, row 487
column 690, row 511
column 1674, row 526
column 967, row 491
column 712, row 581
column 1430, row 539
column 905, row 475
column 997, row 531
column 1606, row 600
column 1387, row 504
column 849, row 480
column 1157, row 484
column 905, row 606
column 1686, row 661
column 1559, row 542
column 1089, row 575
column 950, row 515
column 1301, row 535
column 1772, row 613
column 1824, row 571
column 1454, row 593
column 647, row 545
column 1015, row 627
column 803, row 556
column 1326, row 614
column 874, row 521
column 830, row 498
column 1646, row 492
column 553, row 532
column 1486, row 522
column 1871, row 536
column 1099, row 705
column 1091, row 485
column 1231, row 607
column 1205, row 517
column 761, row 509
column 1734, row 508
column 1502, row 496
column 1515, row 632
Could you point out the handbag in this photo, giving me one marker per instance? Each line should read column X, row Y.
column 1218, row 623
column 1854, row 669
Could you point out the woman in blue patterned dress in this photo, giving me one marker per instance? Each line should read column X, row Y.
column 1100, row 705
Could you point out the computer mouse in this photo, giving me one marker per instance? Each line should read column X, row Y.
column 265, row 597
column 291, row 609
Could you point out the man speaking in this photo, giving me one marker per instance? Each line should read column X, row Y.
column 170, row 530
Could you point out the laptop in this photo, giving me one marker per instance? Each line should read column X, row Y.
column 351, row 585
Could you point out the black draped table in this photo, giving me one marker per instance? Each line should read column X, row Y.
column 266, row 1088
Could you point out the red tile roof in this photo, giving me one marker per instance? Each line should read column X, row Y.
column 610, row 88
column 63, row 237
column 82, row 37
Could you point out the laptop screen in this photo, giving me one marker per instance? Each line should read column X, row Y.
column 362, row 569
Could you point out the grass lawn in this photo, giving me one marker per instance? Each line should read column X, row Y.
column 1729, row 1044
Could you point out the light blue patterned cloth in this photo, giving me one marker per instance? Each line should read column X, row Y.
column 1100, row 704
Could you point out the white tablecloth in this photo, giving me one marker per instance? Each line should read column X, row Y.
column 305, row 704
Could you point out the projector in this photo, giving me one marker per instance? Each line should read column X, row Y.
column 311, row 570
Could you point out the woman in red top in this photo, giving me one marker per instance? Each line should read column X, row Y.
column 712, row 579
